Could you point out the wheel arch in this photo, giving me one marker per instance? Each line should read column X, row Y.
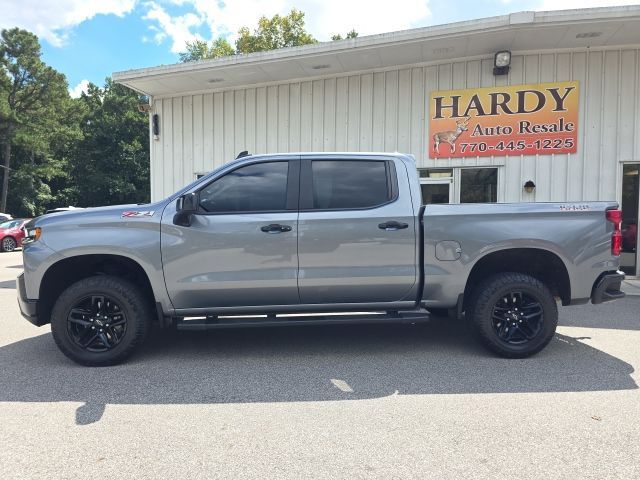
column 63, row 273
column 545, row 265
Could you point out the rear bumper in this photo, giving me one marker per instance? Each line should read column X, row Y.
column 607, row 288
column 28, row 308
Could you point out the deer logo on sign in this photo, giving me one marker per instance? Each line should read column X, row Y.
column 450, row 136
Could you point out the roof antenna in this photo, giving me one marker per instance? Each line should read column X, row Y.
column 244, row 153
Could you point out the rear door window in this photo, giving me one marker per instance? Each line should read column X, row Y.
column 349, row 184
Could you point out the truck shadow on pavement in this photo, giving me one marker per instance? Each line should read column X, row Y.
column 622, row 314
column 8, row 284
column 302, row 364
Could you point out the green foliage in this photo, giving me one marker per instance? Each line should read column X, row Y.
column 271, row 34
column 34, row 109
column 199, row 50
column 275, row 32
column 62, row 151
column 111, row 162
column 351, row 34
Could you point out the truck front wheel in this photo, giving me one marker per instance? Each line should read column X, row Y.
column 514, row 315
column 100, row 320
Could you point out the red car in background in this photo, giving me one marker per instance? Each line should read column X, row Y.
column 11, row 234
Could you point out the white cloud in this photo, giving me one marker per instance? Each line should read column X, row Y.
column 81, row 87
column 575, row 4
column 328, row 17
column 323, row 17
column 53, row 22
column 226, row 18
column 177, row 28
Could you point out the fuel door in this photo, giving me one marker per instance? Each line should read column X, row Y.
column 448, row 250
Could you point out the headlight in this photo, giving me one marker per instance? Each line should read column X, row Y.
column 31, row 235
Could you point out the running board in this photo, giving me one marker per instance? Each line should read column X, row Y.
column 214, row 322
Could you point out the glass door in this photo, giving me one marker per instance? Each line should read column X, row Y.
column 630, row 205
column 435, row 191
column 436, row 186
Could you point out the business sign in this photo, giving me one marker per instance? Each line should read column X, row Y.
column 515, row 120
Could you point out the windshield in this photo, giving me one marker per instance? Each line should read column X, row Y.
column 10, row 224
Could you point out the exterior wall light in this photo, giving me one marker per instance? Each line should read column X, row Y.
column 529, row 186
column 501, row 62
column 155, row 126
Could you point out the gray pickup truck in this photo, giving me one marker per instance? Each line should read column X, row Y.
column 313, row 239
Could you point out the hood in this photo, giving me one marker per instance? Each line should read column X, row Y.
column 106, row 214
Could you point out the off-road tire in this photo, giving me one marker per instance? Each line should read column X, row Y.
column 486, row 296
column 131, row 301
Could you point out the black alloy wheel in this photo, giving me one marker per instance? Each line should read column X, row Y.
column 517, row 318
column 101, row 320
column 96, row 323
column 513, row 314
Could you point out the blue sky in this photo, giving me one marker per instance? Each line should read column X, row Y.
column 89, row 40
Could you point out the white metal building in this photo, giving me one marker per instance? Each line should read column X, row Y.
column 373, row 93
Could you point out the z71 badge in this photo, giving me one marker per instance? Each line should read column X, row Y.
column 144, row 213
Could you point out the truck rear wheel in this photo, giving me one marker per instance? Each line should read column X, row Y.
column 515, row 315
column 100, row 320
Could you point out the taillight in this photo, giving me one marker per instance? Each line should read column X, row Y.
column 615, row 217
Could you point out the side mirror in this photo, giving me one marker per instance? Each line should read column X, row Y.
column 186, row 206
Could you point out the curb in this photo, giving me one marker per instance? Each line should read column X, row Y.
column 631, row 287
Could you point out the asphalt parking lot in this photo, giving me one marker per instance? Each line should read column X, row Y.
column 394, row 401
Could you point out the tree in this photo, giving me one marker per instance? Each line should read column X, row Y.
column 351, row 34
column 41, row 154
column 60, row 151
column 110, row 164
column 199, row 50
column 271, row 33
column 29, row 90
column 275, row 32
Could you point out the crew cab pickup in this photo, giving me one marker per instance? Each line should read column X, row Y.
column 271, row 239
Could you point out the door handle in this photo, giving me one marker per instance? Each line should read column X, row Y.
column 275, row 228
column 392, row 226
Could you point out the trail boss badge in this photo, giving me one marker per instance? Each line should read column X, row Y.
column 515, row 120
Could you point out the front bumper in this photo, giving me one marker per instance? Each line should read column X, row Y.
column 28, row 308
column 607, row 288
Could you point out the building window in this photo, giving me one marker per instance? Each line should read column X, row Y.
column 436, row 185
column 478, row 185
column 436, row 173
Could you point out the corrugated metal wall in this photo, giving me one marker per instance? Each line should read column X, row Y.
column 386, row 111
